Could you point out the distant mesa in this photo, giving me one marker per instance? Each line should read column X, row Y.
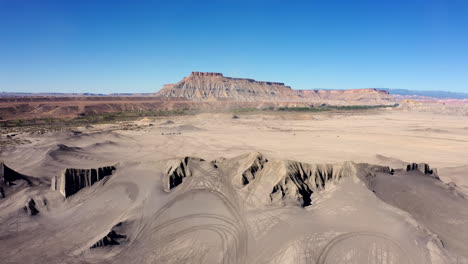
column 207, row 74
column 198, row 91
column 201, row 86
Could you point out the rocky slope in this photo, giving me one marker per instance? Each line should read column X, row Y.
column 214, row 86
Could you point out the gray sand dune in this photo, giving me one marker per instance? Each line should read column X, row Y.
column 438, row 206
column 457, row 174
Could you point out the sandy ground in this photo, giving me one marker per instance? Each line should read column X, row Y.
column 210, row 217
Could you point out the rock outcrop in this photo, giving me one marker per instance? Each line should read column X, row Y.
column 244, row 167
column 423, row 168
column 9, row 178
column 112, row 238
column 201, row 86
column 73, row 180
column 260, row 182
column 301, row 180
column 177, row 171
column 264, row 182
column 31, row 208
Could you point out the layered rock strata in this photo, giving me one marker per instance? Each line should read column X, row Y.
column 201, row 86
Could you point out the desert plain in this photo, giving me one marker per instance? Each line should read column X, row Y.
column 371, row 186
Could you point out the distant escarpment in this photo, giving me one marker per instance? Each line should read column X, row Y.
column 201, row 86
column 200, row 91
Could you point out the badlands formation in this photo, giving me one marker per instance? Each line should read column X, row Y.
column 383, row 186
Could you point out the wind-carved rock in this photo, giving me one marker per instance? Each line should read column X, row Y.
column 9, row 178
column 111, row 239
column 73, row 180
column 31, row 207
column 260, row 182
column 256, row 165
column 423, row 168
column 243, row 168
column 177, row 171
column 301, row 180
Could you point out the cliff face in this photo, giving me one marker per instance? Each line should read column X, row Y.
column 73, row 180
column 9, row 178
column 202, row 86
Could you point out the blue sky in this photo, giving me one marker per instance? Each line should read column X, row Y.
column 137, row 46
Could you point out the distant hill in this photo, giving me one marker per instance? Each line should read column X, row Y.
column 434, row 94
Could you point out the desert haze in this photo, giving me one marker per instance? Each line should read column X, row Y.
column 249, row 172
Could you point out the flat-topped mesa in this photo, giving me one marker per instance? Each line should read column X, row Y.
column 206, row 74
column 213, row 86
column 201, row 86
column 214, row 74
column 272, row 83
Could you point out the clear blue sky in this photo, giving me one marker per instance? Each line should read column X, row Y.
column 137, row 46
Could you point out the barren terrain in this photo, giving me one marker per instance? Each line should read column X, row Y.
column 292, row 187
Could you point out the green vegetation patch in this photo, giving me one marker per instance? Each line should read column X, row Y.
column 331, row 108
column 85, row 119
column 303, row 109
